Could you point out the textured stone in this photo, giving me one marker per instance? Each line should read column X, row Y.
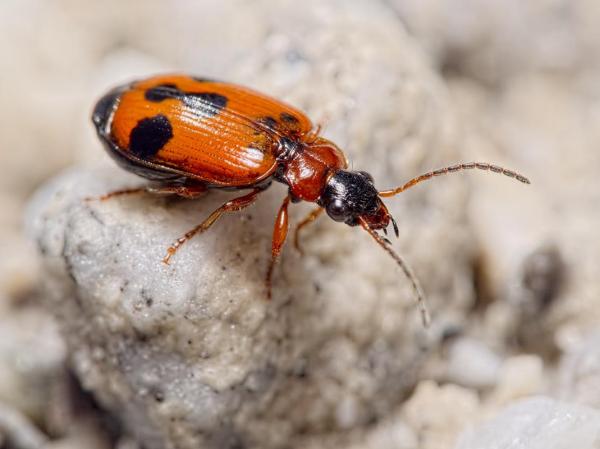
column 519, row 376
column 472, row 364
column 32, row 355
column 579, row 373
column 537, row 423
column 437, row 413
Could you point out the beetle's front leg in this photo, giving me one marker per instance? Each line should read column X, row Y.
column 312, row 216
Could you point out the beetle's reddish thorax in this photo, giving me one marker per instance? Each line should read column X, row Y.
column 307, row 172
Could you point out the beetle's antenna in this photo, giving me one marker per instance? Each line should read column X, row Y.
column 453, row 169
column 425, row 318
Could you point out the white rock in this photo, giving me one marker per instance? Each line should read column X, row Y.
column 471, row 363
column 438, row 413
column 392, row 434
column 537, row 423
column 579, row 373
column 18, row 431
column 521, row 375
column 32, row 357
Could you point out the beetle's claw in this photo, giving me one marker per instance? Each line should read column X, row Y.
column 167, row 259
column 396, row 231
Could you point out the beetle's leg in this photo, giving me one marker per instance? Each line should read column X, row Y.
column 189, row 192
column 312, row 216
column 121, row 192
column 313, row 135
column 230, row 206
column 280, row 232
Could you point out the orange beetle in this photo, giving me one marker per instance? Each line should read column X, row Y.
column 191, row 134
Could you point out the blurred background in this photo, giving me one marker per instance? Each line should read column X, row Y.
column 523, row 79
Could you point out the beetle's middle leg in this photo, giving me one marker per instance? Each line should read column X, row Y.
column 230, row 206
column 280, row 232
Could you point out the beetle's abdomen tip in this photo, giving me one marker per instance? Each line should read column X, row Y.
column 105, row 107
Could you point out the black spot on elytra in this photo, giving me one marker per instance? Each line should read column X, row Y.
column 149, row 136
column 288, row 118
column 268, row 122
column 162, row 92
column 205, row 104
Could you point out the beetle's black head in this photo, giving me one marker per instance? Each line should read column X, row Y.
column 349, row 195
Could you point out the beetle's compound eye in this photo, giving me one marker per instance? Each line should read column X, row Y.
column 367, row 175
column 338, row 210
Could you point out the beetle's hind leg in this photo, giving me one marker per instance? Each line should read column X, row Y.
column 189, row 191
column 233, row 205
column 116, row 193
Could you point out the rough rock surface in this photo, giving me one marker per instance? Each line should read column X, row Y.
column 191, row 355
column 537, row 423
column 579, row 373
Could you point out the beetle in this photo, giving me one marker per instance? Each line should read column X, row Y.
column 189, row 135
